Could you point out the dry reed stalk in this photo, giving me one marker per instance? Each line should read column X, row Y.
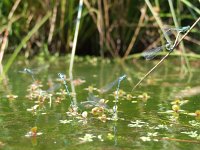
column 184, row 58
column 192, row 40
column 13, row 9
column 91, row 10
column 100, row 21
column 141, row 20
column 62, row 16
column 6, row 32
column 3, row 45
column 109, row 40
column 100, row 26
column 157, row 18
column 52, row 24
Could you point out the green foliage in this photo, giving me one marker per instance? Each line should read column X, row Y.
column 106, row 28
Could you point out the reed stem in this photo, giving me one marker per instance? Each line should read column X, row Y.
column 24, row 41
column 75, row 37
column 74, row 49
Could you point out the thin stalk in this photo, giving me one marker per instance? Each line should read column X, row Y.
column 73, row 51
column 141, row 20
column 1, row 69
column 75, row 37
column 7, row 29
column 24, row 41
column 109, row 40
column 70, row 25
column 100, row 25
column 91, row 10
column 186, row 2
column 52, row 23
column 3, row 45
column 150, row 71
column 94, row 12
column 13, row 9
column 157, row 3
column 158, row 20
column 62, row 15
column 176, row 25
column 194, row 15
column 62, row 19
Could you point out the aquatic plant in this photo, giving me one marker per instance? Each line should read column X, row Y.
column 87, row 138
column 65, row 121
column 33, row 132
column 11, row 96
column 196, row 114
column 194, row 123
column 137, row 124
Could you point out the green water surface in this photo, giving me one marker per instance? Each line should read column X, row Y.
column 145, row 116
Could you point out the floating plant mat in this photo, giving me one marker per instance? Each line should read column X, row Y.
column 36, row 108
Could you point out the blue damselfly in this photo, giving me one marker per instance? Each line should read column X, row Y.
column 110, row 85
column 62, row 77
column 150, row 54
column 28, row 71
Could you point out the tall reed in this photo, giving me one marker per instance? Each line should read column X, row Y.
column 104, row 31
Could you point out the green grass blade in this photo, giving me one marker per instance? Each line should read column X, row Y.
column 25, row 40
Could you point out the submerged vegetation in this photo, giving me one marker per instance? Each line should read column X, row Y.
column 71, row 111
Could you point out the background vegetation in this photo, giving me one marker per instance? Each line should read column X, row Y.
column 108, row 27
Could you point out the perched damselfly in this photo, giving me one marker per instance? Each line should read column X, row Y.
column 62, row 77
column 150, row 54
column 28, row 71
column 181, row 29
column 110, row 85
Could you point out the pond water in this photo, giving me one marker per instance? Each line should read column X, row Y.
column 161, row 113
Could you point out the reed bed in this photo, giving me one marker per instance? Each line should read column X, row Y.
column 107, row 28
